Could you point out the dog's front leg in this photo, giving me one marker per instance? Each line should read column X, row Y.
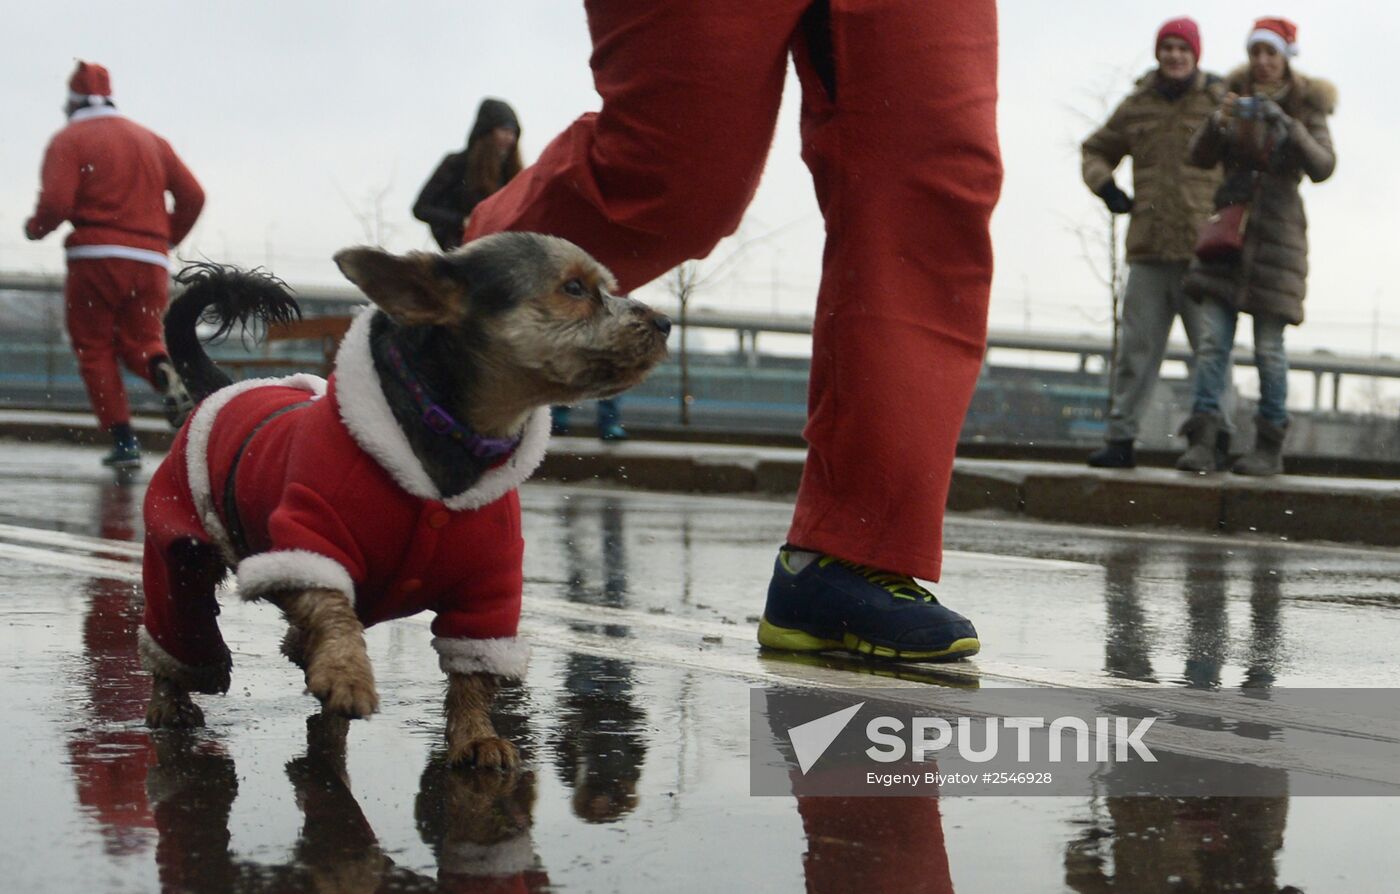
column 331, row 646
column 471, row 739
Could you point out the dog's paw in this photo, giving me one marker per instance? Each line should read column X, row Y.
column 344, row 688
column 487, row 753
column 173, row 712
column 481, row 790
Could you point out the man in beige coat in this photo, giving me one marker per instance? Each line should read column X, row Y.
column 1153, row 125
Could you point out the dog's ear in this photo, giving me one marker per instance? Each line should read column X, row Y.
column 416, row 289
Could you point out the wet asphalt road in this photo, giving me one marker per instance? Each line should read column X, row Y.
column 634, row 719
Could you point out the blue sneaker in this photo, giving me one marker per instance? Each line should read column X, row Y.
column 126, row 454
column 831, row 604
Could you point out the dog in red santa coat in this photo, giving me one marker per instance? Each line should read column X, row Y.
column 389, row 489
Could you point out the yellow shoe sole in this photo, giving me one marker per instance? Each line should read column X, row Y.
column 771, row 636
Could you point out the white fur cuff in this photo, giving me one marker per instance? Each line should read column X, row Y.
column 505, row 657
column 213, row 678
column 510, row 857
column 292, row 569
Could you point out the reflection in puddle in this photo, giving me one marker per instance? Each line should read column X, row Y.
column 638, row 769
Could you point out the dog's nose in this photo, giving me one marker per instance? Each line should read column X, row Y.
column 662, row 323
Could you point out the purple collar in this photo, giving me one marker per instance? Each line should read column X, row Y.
column 439, row 421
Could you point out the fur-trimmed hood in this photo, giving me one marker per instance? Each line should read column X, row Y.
column 1304, row 92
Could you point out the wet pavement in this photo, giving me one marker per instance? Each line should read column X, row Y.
column 634, row 719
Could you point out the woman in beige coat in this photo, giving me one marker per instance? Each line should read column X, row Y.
column 1270, row 131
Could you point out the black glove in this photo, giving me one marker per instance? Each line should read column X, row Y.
column 1271, row 112
column 1117, row 201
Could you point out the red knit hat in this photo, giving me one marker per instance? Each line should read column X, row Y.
column 1278, row 33
column 90, row 79
column 1184, row 28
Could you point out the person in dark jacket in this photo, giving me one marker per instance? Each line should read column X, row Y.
column 1171, row 200
column 1270, row 131
column 490, row 159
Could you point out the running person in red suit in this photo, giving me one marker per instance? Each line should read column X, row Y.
column 899, row 131
column 108, row 176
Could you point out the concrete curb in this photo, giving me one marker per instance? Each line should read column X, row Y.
column 1359, row 511
column 1292, row 507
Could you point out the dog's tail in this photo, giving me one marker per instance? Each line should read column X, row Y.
column 224, row 296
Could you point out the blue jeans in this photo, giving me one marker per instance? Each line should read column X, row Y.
column 1217, row 340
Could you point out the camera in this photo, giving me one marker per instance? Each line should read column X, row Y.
column 1247, row 107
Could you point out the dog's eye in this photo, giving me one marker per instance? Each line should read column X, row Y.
column 575, row 288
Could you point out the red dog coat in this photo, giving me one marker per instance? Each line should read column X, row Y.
column 330, row 495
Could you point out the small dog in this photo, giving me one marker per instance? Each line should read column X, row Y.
column 389, row 489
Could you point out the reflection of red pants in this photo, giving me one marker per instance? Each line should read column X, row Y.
column 874, row 844
column 906, row 167
column 114, row 308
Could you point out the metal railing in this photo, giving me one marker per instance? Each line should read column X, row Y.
column 324, row 300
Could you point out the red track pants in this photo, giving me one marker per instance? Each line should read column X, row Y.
column 899, row 132
column 114, row 308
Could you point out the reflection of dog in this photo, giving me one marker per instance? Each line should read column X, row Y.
column 388, row 490
column 478, row 826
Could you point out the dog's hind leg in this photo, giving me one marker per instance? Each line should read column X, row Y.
column 170, row 706
column 179, row 641
column 471, row 739
column 328, row 641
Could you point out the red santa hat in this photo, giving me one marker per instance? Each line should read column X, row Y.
column 89, row 80
column 1278, row 33
column 1184, row 28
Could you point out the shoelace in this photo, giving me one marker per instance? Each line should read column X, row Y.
column 900, row 586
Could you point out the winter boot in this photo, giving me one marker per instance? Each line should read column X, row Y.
column 1267, row 456
column 174, row 396
column 610, row 420
column 1209, row 450
column 1114, row 455
column 126, row 452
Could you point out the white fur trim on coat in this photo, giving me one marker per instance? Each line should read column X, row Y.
column 512, row 473
column 371, row 423
column 155, row 660
column 90, row 112
column 292, row 569
column 505, row 657
column 197, row 449
column 510, row 857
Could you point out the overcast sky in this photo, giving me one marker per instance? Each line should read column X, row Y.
column 302, row 118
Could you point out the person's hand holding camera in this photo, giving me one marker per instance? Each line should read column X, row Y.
column 1271, row 112
column 1227, row 109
